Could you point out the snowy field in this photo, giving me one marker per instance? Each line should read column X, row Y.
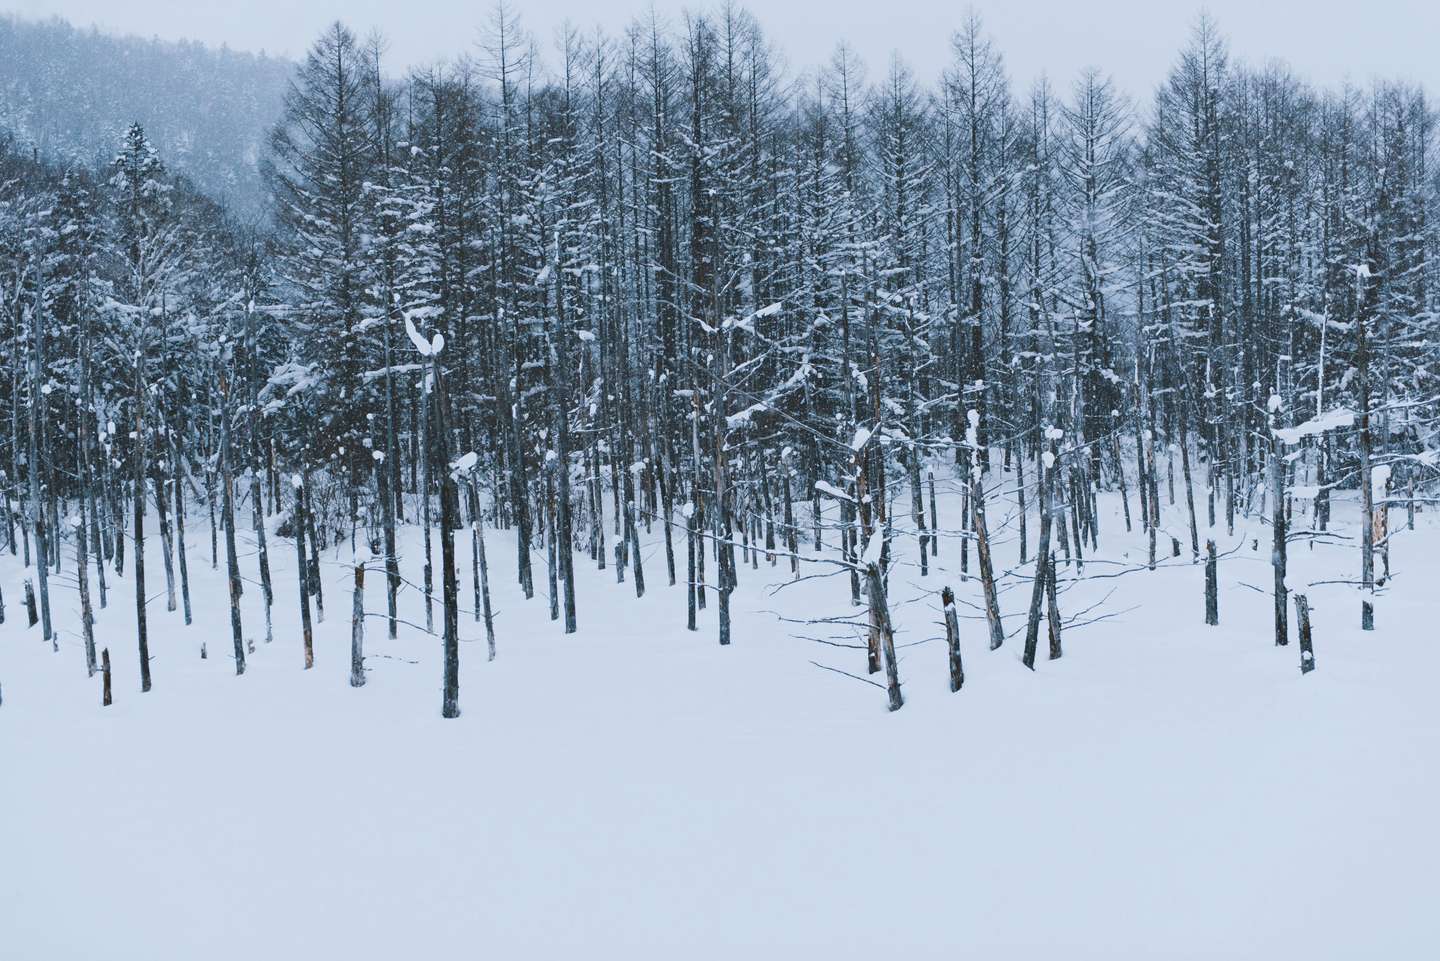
column 1166, row 790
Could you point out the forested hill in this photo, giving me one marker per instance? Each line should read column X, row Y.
column 71, row 93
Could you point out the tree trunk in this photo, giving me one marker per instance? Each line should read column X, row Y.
column 880, row 621
column 140, row 625
column 952, row 640
column 1044, row 559
column 297, row 521
column 1278, row 524
column 987, row 571
column 87, row 617
column 1052, row 610
column 1212, row 591
column 357, row 630
column 1302, row 617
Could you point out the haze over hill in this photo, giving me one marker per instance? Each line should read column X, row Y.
column 70, row 93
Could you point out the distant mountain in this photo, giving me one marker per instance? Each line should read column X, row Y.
column 70, row 93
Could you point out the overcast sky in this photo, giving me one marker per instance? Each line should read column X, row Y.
column 1133, row 40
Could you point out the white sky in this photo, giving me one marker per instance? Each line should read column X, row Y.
column 1133, row 40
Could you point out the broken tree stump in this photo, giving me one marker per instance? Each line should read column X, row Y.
column 952, row 640
column 1302, row 616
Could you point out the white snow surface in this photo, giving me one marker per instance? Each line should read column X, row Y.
column 1166, row 790
column 1330, row 420
column 464, row 463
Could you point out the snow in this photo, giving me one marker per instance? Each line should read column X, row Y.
column 861, row 438
column 464, row 463
column 430, row 348
column 874, row 549
column 1165, row 790
column 830, row 490
column 1379, row 481
column 1330, row 420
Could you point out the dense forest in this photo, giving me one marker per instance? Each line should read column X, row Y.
column 653, row 284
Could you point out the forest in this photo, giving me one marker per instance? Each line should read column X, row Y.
column 624, row 491
column 657, row 284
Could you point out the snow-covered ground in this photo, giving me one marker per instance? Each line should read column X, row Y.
column 1166, row 790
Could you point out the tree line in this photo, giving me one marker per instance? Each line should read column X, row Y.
column 652, row 284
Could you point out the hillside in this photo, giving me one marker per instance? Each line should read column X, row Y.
column 71, row 92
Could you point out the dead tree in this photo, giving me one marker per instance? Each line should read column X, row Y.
column 436, row 451
column 485, row 593
column 297, row 522
column 227, row 519
column 1367, row 296
column 1052, row 610
column 316, row 588
column 87, row 617
column 482, row 571
column 1044, row 559
column 141, row 631
column 1212, row 595
column 1302, row 617
column 982, row 551
column 952, row 639
column 1277, row 522
column 357, row 628
column 33, row 466
column 880, row 625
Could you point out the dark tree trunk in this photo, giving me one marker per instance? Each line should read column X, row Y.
column 880, row 623
column 227, row 520
column 1278, row 525
column 987, row 571
column 952, row 639
column 297, row 521
column 1044, row 560
column 139, row 538
column 1212, row 590
column 1302, row 617
column 87, row 617
column 1052, row 610
column 357, row 630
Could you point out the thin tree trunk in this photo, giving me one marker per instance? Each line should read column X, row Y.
column 297, row 521
column 1212, row 590
column 952, row 639
column 87, row 617
column 139, row 538
column 357, row 629
column 1302, row 617
column 880, row 621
